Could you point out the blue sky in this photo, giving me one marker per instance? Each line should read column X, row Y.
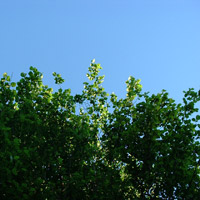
column 157, row 41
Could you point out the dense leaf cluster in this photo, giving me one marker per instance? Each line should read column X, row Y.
column 55, row 145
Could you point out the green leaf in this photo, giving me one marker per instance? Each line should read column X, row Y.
column 23, row 74
column 8, row 78
column 16, row 157
column 5, row 75
column 14, row 171
column 13, row 84
column 198, row 117
column 60, row 160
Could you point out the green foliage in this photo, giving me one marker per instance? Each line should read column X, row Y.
column 92, row 145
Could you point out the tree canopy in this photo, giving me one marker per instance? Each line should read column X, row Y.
column 94, row 145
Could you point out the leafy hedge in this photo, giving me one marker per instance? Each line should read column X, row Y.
column 55, row 145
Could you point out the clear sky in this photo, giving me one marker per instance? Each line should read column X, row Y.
column 157, row 41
